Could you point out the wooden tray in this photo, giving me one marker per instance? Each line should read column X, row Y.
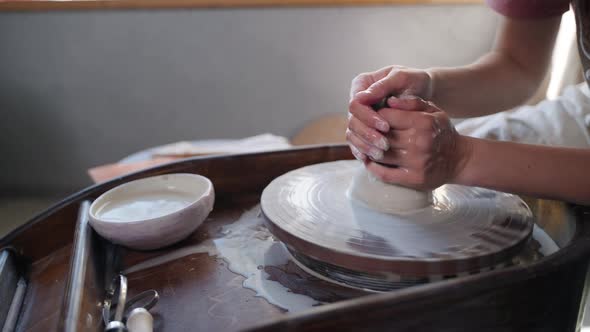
column 68, row 265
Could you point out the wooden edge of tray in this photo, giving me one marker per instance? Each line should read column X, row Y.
column 568, row 266
column 60, row 219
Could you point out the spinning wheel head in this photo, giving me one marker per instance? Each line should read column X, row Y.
column 459, row 229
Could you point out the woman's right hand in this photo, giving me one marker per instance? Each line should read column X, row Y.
column 364, row 124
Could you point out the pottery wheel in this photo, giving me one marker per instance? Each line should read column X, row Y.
column 464, row 230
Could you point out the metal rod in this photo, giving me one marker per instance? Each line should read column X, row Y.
column 17, row 301
column 9, row 276
column 78, row 264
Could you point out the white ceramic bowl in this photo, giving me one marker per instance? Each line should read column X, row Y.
column 153, row 212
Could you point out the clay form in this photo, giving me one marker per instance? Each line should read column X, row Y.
column 377, row 195
column 463, row 230
column 153, row 212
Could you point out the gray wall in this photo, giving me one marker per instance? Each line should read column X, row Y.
column 78, row 89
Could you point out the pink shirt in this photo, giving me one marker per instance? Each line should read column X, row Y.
column 532, row 9
column 529, row 8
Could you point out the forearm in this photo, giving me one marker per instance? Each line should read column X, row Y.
column 539, row 171
column 492, row 84
column 502, row 79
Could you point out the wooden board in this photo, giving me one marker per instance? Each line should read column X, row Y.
column 10, row 5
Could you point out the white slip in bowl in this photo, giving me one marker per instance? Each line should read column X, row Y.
column 153, row 212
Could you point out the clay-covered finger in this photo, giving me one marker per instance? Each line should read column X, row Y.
column 395, row 157
column 360, row 83
column 411, row 139
column 357, row 154
column 410, row 160
column 363, row 147
column 386, row 174
column 402, row 120
column 401, row 139
column 395, row 82
column 368, row 134
column 368, row 116
column 408, row 103
column 400, row 176
column 364, row 80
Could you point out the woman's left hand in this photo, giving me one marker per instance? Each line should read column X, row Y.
column 425, row 149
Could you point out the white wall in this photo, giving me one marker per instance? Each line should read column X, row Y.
column 78, row 89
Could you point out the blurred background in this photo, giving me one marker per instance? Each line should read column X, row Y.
column 81, row 88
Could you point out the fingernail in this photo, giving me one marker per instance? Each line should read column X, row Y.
column 382, row 126
column 392, row 100
column 357, row 154
column 376, row 154
column 382, row 144
column 407, row 97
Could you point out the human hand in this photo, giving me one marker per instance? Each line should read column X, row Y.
column 367, row 126
column 425, row 149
